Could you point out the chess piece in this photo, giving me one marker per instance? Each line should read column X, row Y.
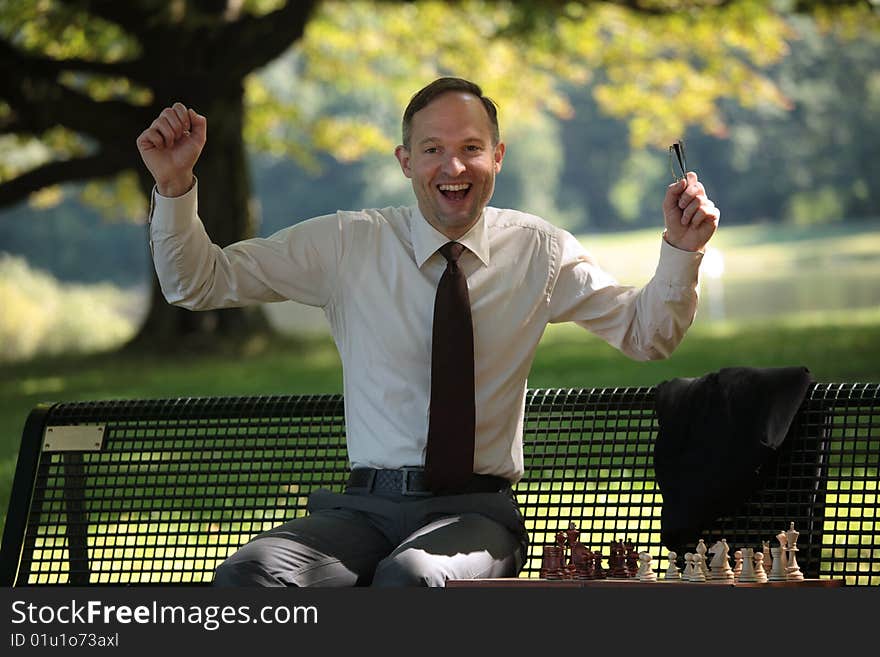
column 699, row 572
column 672, row 572
column 777, row 570
column 701, row 550
column 768, row 561
column 599, row 571
column 645, row 572
column 581, row 562
column 737, row 564
column 631, row 558
column 745, row 559
column 760, row 572
column 552, row 562
column 688, row 574
column 617, row 561
column 572, row 536
column 792, row 570
column 720, row 569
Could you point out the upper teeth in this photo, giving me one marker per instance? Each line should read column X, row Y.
column 454, row 188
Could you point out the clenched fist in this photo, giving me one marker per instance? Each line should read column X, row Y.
column 171, row 146
column 691, row 216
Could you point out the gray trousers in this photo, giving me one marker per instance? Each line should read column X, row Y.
column 376, row 539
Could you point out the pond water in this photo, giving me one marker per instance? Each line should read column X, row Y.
column 788, row 294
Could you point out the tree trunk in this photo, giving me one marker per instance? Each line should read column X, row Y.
column 225, row 209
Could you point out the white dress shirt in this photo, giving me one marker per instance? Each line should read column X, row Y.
column 375, row 273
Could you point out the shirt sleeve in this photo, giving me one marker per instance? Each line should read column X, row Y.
column 646, row 323
column 299, row 263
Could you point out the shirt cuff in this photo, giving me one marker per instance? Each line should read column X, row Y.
column 169, row 215
column 678, row 266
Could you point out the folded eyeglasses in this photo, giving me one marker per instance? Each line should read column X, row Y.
column 677, row 161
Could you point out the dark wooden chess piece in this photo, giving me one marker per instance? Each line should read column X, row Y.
column 582, row 560
column 599, row 571
column 617, row 561
column 631, row 559
column 552, row 562
column 572, row 536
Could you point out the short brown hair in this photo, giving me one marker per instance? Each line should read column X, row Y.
column 441, row 86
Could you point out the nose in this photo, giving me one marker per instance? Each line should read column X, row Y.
column 453, row 166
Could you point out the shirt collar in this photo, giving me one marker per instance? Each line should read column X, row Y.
column 426, row 239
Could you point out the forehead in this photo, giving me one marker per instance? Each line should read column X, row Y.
column 450, row 115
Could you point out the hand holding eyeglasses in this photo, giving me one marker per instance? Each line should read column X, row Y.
column 690, row 215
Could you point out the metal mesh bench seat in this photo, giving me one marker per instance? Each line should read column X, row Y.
column 161, row 491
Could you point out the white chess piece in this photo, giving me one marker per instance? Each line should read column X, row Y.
column 699, row 568
column 768, row 560
column 672, row 572
column 792, row 570
column 719, row 568
column 777, row 570
column 745, row 558
column 688, row 567
column 646, row 572
column 760, row 573
column 738, row 564
column 701, row 550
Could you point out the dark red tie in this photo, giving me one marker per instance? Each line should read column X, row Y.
column 449, row 461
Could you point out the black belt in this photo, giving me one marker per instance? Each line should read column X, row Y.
column 411, row 481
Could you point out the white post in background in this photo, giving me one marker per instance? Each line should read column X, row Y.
column 712, row 269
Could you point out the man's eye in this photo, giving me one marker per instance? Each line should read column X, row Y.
column 473, row 148
column 431, row 149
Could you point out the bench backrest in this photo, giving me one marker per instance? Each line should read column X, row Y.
column 161, row 491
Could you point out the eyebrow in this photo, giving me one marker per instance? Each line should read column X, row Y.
column 467, row 140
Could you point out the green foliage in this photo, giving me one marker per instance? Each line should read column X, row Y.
column 659, row 73
column 63, row 31
column 42, row 316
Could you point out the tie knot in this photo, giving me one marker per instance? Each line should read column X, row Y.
column 452, row 251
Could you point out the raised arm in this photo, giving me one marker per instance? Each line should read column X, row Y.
column 298, row 263
column 171, row 146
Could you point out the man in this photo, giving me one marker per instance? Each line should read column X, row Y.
column 437, row 311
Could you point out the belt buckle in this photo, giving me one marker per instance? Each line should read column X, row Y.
column 404, row 484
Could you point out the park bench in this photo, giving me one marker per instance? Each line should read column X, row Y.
column 136, row 492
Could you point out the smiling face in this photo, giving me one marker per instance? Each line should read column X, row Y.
column 452, row 161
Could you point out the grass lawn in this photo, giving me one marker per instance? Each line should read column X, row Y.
column 835, row 348
column 836, row 345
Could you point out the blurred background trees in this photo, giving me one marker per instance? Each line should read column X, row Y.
column 778, row 103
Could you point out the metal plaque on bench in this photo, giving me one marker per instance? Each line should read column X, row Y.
column 74, row 438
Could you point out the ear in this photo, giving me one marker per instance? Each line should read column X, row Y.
column 403, row 156
column 499, row 156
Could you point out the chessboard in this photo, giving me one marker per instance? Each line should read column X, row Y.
column 523, row 582
column 569, row 563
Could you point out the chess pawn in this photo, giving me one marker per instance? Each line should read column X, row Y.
column 792, row 570
column 599, row 571
column 699, row 573
column 745, row 566
column 760, row 572
column 688, row 574
column 672, row 572
column 646, row 572
column 737, row 564
column 768, row 561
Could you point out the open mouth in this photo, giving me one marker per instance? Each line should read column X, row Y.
column 455, row 192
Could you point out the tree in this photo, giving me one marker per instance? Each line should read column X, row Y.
column 79, row 80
